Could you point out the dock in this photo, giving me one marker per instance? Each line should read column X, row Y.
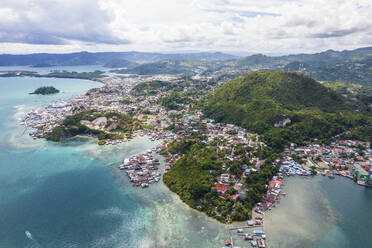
column 243, row 227
column 231, row 236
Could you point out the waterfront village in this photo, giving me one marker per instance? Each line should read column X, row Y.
column 351, row 159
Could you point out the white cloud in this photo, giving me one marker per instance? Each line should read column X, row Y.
column 269, row 26
column 55, row 22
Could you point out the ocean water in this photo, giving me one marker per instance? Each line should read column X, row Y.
column 58, row 192
column 71, row 194
column 321, row 212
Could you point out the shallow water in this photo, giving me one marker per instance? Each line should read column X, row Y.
column 320, row 212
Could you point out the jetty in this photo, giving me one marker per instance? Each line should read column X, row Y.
column 256, row 237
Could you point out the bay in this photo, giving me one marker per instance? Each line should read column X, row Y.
column 71, row 194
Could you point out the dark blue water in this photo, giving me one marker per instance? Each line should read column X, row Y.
column 58, row 192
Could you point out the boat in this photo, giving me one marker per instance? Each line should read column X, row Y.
column 331, row 176
column 28, row 234
column 248, row 237
column 261, row 243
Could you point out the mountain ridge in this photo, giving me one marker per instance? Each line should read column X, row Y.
column 101, row 58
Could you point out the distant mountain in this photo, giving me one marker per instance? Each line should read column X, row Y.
column 347, row 66
column 120, row 63
column 163, row 67
column 86, row 58
column 284, row 107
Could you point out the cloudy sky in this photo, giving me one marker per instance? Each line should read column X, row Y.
column 266, row 26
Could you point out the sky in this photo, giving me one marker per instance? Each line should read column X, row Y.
column 239, row 26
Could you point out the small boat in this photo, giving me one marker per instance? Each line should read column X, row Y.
column 248, row 237
column 331, row 176
column 28, row 234
column 261, row 243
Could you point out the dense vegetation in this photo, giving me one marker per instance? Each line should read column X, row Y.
column 193, row 178
column 45, row 90
column 360, row 96
column 259, row 100
column 118, row 126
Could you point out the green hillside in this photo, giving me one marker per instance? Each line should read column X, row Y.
column 260, row 100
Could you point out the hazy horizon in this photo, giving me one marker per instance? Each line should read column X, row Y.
column 234, row 53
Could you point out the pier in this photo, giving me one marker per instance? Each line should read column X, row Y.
column 243, row 227
column 231, row 234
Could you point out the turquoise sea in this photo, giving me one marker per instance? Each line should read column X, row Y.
column 72, row 195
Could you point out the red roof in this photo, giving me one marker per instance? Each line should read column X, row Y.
column 222, row 188
column 275, row 182
column 223, row 198
column 235, row 197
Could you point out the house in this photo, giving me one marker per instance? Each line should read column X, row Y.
column 224, row 178
column 222, row 188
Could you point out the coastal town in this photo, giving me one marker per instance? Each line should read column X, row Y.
column 177, row 124
column 239, row 151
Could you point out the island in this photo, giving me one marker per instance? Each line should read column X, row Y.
column 45, row 90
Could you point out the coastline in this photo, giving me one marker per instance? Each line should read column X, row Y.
column 225, row 226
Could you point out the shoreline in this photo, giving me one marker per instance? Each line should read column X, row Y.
column 226, row 226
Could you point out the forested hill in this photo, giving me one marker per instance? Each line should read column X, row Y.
column 284, row 107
